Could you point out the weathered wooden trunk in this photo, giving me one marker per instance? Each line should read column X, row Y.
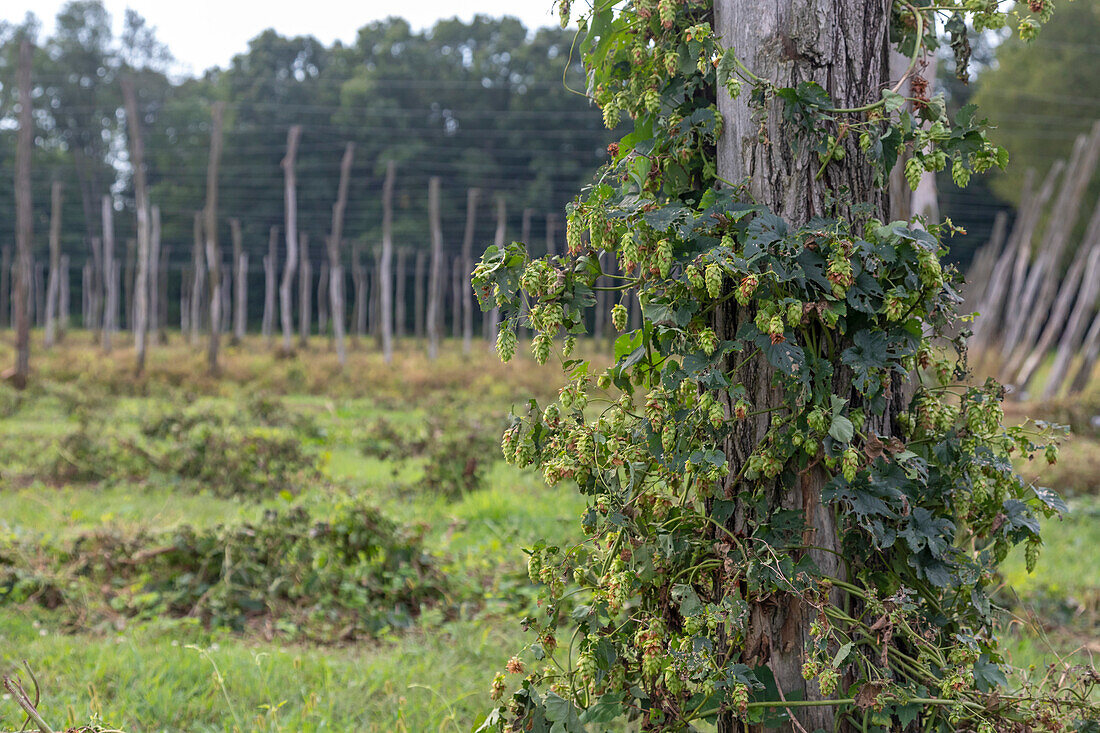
column 845, row 49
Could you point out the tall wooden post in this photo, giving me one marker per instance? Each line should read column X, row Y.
column 240, row 277
column 24, row 224
column 271, row 267
column 419, row 275
column 157, row 314
column 551, row 234
column 110, row 312
column 323, row 280
column 213, row 252
column 457, row 303
column 466, row 263
column 290, row 204
column 53, row 288
column 198, row 280
column 434, row 320
column 399, row 317
column 335, row 238
column 140, row 323
column 305, row 283
column 385, row 264
column 5, row 290
column 498, row 240
column 63, row 295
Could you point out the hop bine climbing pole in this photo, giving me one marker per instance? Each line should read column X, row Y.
column 795, row 508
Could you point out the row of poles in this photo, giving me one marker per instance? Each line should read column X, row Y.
column 1027, row 304
column 213, row 295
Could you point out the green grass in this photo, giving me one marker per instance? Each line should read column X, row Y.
column 179, row 679
column 172, row 675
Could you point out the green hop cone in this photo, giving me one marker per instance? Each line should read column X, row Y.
column 794, row 315
column 568, row 345
column 850, row 464
column 664, row 257
column 618, row 316
column 541, row 348
column 695, row 277
column 506, row 344
column 708, row 341
column 713, row 278
column 717, row 415
column 1031, row 553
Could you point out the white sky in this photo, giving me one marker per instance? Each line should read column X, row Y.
column 205, row 33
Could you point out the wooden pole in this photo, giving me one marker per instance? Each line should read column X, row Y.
column 240, row 281
column 213, row 252
column 399, row 316
column 466, row 263
column 24, row 223
column 385, row 265
column 157, row 314
column 141, row 309
column 271, row 266
column 551, row 234
column 434, row 318
column 1069, row 291
column 110, row 313
column 323, row 279
column 63, row 296
column 1090, row 350
column 419, row 275
column 53, row 289
column 498, row 240
column 305, row 283
column 1011, row 271
column 129, row 279
column 5, row 290
column 198, row 280
column 1031, row 309
column 336, row 237
column 457, row 300
column 1075, row 324
column 290, row 203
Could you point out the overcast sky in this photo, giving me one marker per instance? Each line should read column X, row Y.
column 205, row 33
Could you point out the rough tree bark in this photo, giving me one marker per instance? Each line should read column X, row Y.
column 128, row 281
column 434, row 318
column 845, row 49
column 336, row 270
column 472, row 197
column 213, row 253
column 361, row 285
column 141, row 201
column 290, row 204
column 53, row 288
column 385, row 265
column 110, row 311
column 24, row 223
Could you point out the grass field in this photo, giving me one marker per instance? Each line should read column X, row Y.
column 85, row 455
